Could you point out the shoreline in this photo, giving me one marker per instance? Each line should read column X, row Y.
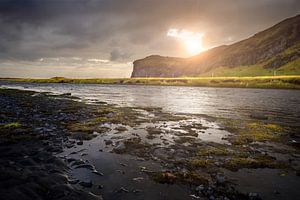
column 29, row 146
column 196, row 154
column 263, row 82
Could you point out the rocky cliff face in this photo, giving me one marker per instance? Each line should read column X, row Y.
column 268, row 48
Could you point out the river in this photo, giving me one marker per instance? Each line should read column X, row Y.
column 279, row 106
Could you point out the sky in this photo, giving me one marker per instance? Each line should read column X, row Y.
column 101, row 38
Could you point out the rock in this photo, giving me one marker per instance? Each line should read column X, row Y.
column 136, row 191
column 254, row 196
column 73, row 181
column 122, row 189
column 194, row 196
column 108, row 142
column 100, row 187
column 87, row 184
column 69, row 146
column 81, row 150
column 110, row 114
column 60, row 191
column 60, row 177
column 86, row 166
column 200, row 188
column 121, row 128
column 80, row 143
column 140, row 159
column 138, row 179
column 91, row 196
column 120, row 171
column 212, row 198
column 45, row 142
column 77, row 162
column 73, row 152
column 11, row 162
column 220, row 178
column 120, row 148
column 97, row 173
column 70, row 159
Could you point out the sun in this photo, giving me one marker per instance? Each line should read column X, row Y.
column 193, row 46
column 191, row 40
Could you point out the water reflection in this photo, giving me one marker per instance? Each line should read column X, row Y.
column 281, row 106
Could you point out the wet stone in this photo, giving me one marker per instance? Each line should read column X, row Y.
column 87, row 184
column 86, row 166
column 120, row 148
column 254, row 196
column 122, row 189
column 97, row 173
column 108, row 142
column 100, row 187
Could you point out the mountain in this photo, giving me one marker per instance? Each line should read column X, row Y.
column 275, row 50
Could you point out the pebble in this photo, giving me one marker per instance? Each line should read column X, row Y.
column 86, row 166
column 73, row 181
column 122, row 189
column 253, row 196
column 97, row 173
column 200, row 188
column 220, row 178
column 11, row 162
column 194, row 196
column 138, row 179
column 212, row 198
column 120, row 148
column 100, row 187
column 120, row 171
column 108, row 142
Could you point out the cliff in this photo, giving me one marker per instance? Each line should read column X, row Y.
column 268, row 50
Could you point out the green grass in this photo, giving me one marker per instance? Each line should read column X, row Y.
column 12, row 125
column 291, row 68
column 236, row 163
column 284, row 82
column 281, row 65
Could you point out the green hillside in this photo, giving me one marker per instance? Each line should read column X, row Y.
column 273, row 51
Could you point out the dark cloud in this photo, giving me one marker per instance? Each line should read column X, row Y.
column 123, row 30
column 118, row 54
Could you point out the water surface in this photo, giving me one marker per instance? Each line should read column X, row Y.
column 280, row 106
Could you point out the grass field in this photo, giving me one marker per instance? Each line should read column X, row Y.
column 280, row 82
column 290, row 69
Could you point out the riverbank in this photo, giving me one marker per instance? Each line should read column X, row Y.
column 278, row 82
column 54, row 146
column 32, row 133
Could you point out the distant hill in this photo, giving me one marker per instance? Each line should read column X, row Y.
column 272, row 51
